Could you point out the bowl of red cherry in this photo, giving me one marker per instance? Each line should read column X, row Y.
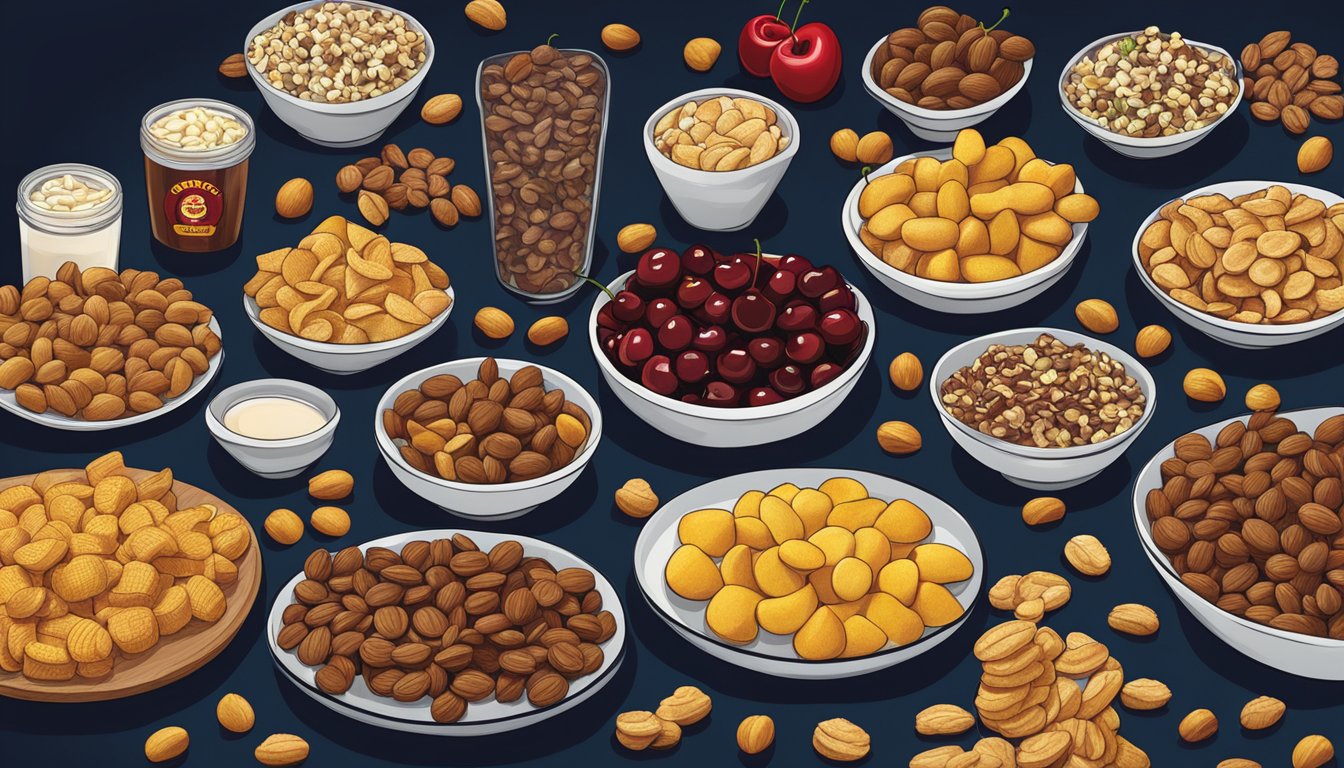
column 731, row 350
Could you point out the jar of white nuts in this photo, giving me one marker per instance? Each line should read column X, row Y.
column 68, row 212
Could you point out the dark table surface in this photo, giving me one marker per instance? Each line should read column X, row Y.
column 83, row 82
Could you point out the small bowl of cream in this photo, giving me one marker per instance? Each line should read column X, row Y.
column 274, row 427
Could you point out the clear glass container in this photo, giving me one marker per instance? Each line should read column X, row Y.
column 90, row 237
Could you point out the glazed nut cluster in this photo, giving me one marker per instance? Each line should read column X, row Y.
column 1152, row 85
column 1252, row 521
column 197, row 129
column 99, row 569
column 1266, row 257
column 447, row 620
column 1046, row 394
column 338, row 52
column 721, row 134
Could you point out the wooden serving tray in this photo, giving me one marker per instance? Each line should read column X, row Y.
column 171, row 659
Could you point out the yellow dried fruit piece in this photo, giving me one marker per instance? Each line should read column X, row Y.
column 88, row 641
column 872, row 547
column 853, row 515
column 749, row 504
column 207, row 599
column 842, row 489
column 903, row 521
column 736, row 567
column 836, row 543
column 173, row 611
column 936, row 605
column 692, row 574
column 862, row 637
column 901, row 625
column 900, row 579
column 802, row 555
column 851, row 579
column 941, row 563
column 752, row 532
column 779, row 517
column 786, row 615
column 711, row 530
column 812, row 507
column 134, row 629
column 774, row 577
column 822, row 636
column 80, row 579
column 785, row 491
column 731, row 614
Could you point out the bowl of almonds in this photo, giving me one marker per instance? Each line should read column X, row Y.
column 1252, row 264
column 1242, row 521
column 487, row 439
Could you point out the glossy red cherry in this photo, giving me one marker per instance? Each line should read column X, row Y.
column 711, row 339
column 816, row 282
column 692, row 366
column 752, row 312
column 805, row 347
column 612, row 345
column 661, row 310
column 676, row 334
column 659, row 267
column 721, row 394
column 657, row 375
column 788, row 379
column 736, row 366
column 794, row 263
column 797, row 316
column 627, row 306
column 839, row 326
column 824, row 374
column 697, row 260
column 767, row 351
column 606, row 318
column 781, row 285
column 693, row 291
column 731, row 276
column 763, row 396
column 636, row 346
column 839, row 297
column 717, row 308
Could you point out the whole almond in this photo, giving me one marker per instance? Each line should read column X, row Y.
column 1262, row 397
column 755, row 734
column 440, row 109
column 235, row 713
column 1044, row 749
column 845, row 145
column 495, row 323
column 1295, row 119
column 940, row 757
column 1274, row 43
column 1097, row 315
column 1262, row 712
column 1087, row 555
column 233, row 66
column 1199, row 725
column 906, row 372
column 1315, row 154
column 443, row 211
column 1133, row 619
column 465, row 200
column 687, row 705
column 637, row 730
column 943, row 720
column 1204, row 385
column 1151, row 341
column 294, row 199
column 1042, row 510
column 166, row 743
column 379, row 178
column 372, row 207
column 330, row 521
column 899, row 438
column 701, row 53
column 487, row 13
column 874, row 148
column 281, row 749
column 1145, row 694
column 284, row 526
column 840, row 740
column 1237, row 762
column 548, row 330
column 619, row 37
column 636, row 498
column 1312, row 752
column 635, row 238
column 331, row 485
column 349, row 178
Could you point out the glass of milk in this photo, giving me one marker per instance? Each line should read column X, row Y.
column 68, row 212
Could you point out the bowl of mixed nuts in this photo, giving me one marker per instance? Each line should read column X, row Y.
column 338, row 73
column 1044, row 407
column 1148, row 94
column 487, row 439
column 1242, row 521
column 1252, row 264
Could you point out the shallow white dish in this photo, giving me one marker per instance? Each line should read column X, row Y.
column 1138, row 146
column 943, row 296
column 345, row 358
column 338, row 125
column 484, row 501
column 273, row 458
column 773, row 654
column 1319, row 658
column 940, row 125
column 483, row 717
column 1245, row 335
column 731, row 427
column 55, row 420
column 721, row 201
column 1029, row 466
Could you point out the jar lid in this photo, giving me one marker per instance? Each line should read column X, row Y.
column 224, row 156
column 69, row 222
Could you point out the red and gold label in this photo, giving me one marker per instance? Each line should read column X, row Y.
column 194, row 207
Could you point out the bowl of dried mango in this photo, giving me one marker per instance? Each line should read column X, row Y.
column 810, row 573
column 346, row 298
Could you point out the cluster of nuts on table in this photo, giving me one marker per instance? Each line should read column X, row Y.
column 950, row 60
column 337, row 53
column 1290, row 82
column 1045, row 394
column 720, row 134
column 100, row 568
column 1269, row 256
column 97, row 345
column 394, row 180
column 1152, row 84
column 447, row 620
column 988, row 213
column 844, row 573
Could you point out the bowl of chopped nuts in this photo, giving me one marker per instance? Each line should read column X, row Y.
column 1147, row 107
column 312, row 73
column 1044, row 407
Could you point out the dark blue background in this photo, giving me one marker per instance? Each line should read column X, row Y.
column 82, row 74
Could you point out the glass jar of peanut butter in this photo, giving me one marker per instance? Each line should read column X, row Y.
column 196, row 153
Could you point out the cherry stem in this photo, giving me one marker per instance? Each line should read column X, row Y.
column 781, row 9
column 604, row 288
column 796, row 16
column 867, row 169
column 548, row 42
column 757, row 273
column 997, row 23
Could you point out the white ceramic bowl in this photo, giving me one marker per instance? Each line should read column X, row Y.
column 732, row 427
column 943, row 296
column 940, row 125
column 1319, row 658
column 1245, row 335
column 1029, row 466
column 484, row 717
column 773, row 654
column 339, row 125
column 1138, row 146
column 273, row 458
column 721, row 201
column 482, row 501
column 344, row 358
column 55, row 420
